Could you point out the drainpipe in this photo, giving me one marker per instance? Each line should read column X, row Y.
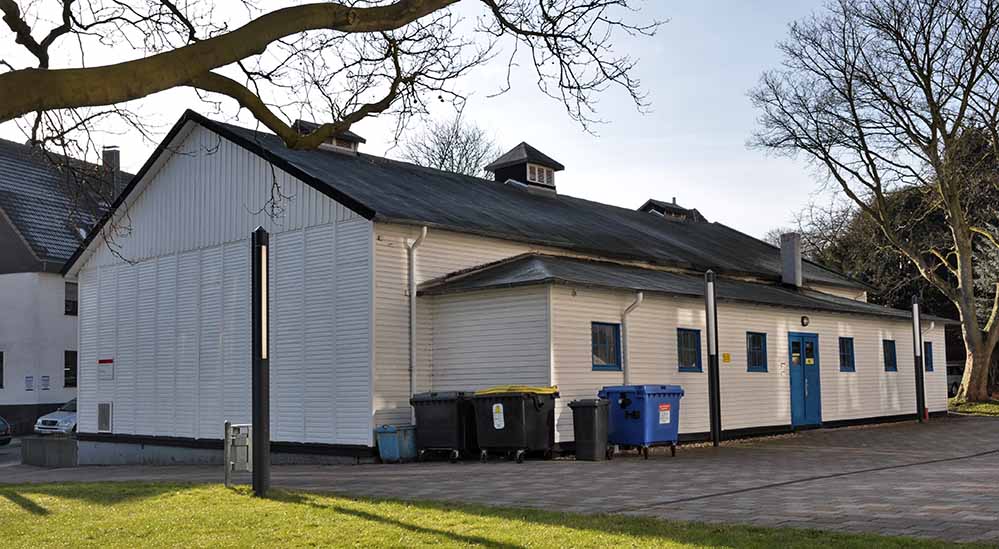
column 411, row 260
column 639, row 297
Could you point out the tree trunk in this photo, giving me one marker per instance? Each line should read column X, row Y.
column 975, row 382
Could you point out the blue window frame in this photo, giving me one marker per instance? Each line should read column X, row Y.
column 688, row 349
column 846, row 358
column 891, row 359
column 605, row 341
column 928, row 355
column 756, row 352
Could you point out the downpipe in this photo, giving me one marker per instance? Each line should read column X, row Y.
column 626, row 367
column 411, row 285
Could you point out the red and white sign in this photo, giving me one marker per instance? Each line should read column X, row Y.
column 664, row 410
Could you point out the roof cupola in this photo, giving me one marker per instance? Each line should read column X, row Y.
column 526, row 166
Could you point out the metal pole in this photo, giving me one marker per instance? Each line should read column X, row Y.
column 917, row 344
column 714, row 380
column 261, row 368
column 226, row 458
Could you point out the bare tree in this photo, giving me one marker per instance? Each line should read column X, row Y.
column 453, row 145
column 884, row 95
column 340, row 61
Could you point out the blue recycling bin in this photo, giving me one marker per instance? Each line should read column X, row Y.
column 396, row 443
column 643, row 416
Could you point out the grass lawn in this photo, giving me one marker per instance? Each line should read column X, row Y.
column 990, row 408
column 171, row 515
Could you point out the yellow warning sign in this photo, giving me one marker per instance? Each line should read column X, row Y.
column 726, row 357
column 809, row 361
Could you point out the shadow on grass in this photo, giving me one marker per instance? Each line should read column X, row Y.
column 24, row 503
column 108, row 493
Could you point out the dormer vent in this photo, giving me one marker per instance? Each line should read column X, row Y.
column 528, row 167
column 345, row 142
column 671, row 210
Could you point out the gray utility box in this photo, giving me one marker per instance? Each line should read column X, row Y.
column 237, row 448
column 49, row 451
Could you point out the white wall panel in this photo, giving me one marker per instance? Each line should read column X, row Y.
column 482, row 339
column 177, row 316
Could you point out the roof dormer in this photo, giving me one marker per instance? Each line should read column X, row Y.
column 526, row 166
column 671, row 210
column 344, row 142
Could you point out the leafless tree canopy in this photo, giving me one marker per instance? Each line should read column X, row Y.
column 453, row 145
column 336, row 61
column 884, row 95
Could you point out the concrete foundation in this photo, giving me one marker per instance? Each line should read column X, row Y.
column 118, row 453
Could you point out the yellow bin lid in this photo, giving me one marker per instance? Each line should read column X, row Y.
column 500, row 389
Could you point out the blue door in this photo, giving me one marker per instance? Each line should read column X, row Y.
column 806, row 394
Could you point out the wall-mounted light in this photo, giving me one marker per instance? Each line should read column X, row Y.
column 805, row 320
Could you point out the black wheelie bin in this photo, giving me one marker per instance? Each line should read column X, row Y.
column 515, row 420
column 445, row 422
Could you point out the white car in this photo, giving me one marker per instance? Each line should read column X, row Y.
column 61, row 421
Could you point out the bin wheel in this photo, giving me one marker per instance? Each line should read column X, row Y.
column 483, row 456
column 672, row 450
column 420, row 455
column 454, row 456
column 549, row 454
column 610, row 453
column 520, row 456
column 645, row 452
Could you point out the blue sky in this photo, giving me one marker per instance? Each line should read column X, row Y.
column 692, row 145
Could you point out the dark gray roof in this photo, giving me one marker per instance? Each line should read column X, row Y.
column 530, row 269
column 398, row 192
column 36, row 198
column 522, row 154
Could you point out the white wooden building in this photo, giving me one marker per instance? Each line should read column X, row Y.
column 516, row 283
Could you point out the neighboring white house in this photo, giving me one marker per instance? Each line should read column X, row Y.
column 517, row 284
column 38, row 323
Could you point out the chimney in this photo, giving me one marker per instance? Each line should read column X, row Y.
column 790, row 258
column 112, row 158
column 528, row 168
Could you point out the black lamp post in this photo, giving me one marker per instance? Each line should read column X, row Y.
column 917, row 344
column 714, row 381
column 261, row 368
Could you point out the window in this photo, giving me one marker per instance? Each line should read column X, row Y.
column 606, row 346
column 1, row 369
column 688, row 349
column 72, row 303
column 846, row 360
column 69, row 369
column 891, row 362
column 540, row 174
column 928, row 356
column 756, row 352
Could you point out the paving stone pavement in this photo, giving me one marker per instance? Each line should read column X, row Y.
column 938, row 480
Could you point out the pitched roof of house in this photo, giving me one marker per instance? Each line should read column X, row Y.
column 43, row 208
column 521, row 154
column 398, row 192
column 531, row 269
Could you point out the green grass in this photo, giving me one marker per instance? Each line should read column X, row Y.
column 171, row 515
column 990, row 408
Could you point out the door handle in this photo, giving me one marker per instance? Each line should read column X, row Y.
column 806, row 388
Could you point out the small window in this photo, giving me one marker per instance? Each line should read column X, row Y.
column 846, row 360
column 891, row 360
column 606, row 346
column 1, row 369
column 532, row 173
column 688, row 349
column 928, row 355
column 72, row 299
column 103, row 417
column 756, row 352
column 69, row 369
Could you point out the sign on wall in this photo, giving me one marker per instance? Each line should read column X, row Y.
column 105, row 368
column 29, row 383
